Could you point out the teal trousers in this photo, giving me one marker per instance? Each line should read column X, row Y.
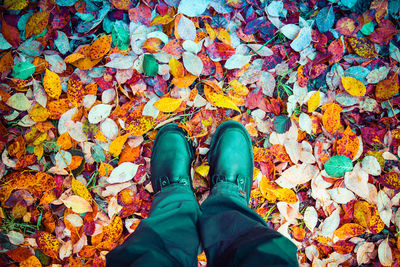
column 230, row 233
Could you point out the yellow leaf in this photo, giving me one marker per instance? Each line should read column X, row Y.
column 314, row 101
column 219, row 100
column 32, row 261
column 141, row 125
column 75, row 92
column 167, row 104
column 177, row 69
column 210, row 31
column 73, row 57
column 80, row 189
column 224, row 36
column 38, row 151
column 239, row 88
column 52, row 84
column 353, row 86
column 105, row 169
column 15, row 4
column 203, row 170
column 184, row 81
column 286, row 195
column 117, row 144
column 39, row 113
column 36, row 23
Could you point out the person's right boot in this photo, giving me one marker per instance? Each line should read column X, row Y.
column 231, row 157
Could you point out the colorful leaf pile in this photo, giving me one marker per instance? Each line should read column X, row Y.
column 85, row 84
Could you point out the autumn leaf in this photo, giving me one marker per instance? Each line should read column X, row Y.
column 117, row 144
column 47, row 243
column 349, row 230
column 75, row 92
column 348, row 145
column 168, row 104
column 331, row 117
column 314, row 101
column 219, row 100
column 52, row 84
column 80, row 189
column 100, row 47
column 353, row 86
column 387, row 88
column 362, row 46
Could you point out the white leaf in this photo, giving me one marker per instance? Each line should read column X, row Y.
column 124, row 172
column 310, row 218
column 186, row 29
column 267, row 83
column 109, row 128
column 99, row 113
column 290, row 30
column 385, row 253
column 371, row 165
column 39, row 93
column 378, row 74
column 237, row 61
column 261, row 50
column 113, row 207
column 192, row 8
column 192, row 63
column 384, row 206
column 121, row 62
column 341, row 195
column 302, row 40
column 65, row 250
column 89, row 100
column 297, row 174
column 289, row 211
column 15, row 237
column 77, row 204
column 149, row 109
column 191, row 46
column 62, row 158
column 292, row 147
column 19, row 102
column 75, row 130
column 80, row 244
column 123, row 75
column 357, row 181
column 305, row 123
column 331, row 224
column 364, row 253
column 276, row 9
column 75, row 220
column 108, row 95
column 394, row 52
column 57, row 64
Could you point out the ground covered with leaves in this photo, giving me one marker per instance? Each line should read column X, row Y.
column 85, row 84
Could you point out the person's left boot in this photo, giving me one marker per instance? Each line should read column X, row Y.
column 171, row 157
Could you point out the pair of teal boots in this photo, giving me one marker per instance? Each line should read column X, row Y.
column 177, row 229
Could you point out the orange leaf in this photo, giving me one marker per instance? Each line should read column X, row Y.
column 349, row 230
column 184, row 81
column 362, row 213
column 117, row 144
column 298, row 233
column 122, row 4
column 331, row 117
column 105, row 169
column 348, row 145
column 113, row 231
column 64, row 141
column 47, row 243
column 87, row 251
column 19, row 254
column 73, row 57
column 100, row 47
column 85, row 62
column 36, row 23
column 6, row 63
column 387, row 88
column 75, row 92
column 57, row 108
column 52, row 84
column 343, row 247
column 152, row 45
column 32, row 261
column 129, row 154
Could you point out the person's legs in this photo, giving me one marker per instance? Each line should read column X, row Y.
column 169, row 236
column 231, row 233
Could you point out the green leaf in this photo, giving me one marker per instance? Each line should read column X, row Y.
column 150, row 65
column 282, row 124
column 368, row 28
column 23, row 70
column 337, row 166
column 98, row 153
column 120, row 37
